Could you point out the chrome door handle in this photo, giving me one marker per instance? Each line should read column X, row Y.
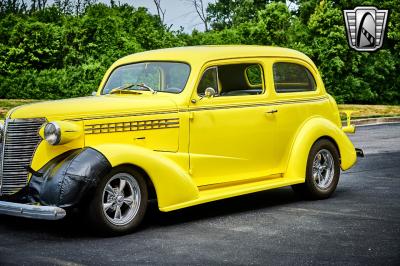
column 272, row 111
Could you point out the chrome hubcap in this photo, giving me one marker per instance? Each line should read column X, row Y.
column 323, row 169
column 121, row 199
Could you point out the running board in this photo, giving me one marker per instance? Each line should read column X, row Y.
column 223, row 192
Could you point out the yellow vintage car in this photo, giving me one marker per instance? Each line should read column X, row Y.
column 183, row 126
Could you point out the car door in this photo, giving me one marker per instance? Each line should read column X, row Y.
column 232, row 133
column 298, row 97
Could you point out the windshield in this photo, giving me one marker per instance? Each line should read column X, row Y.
column 160, row 76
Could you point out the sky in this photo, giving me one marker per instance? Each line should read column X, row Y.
column 178, row 12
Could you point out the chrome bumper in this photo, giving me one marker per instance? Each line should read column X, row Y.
column 31, row 211
column 359, row 152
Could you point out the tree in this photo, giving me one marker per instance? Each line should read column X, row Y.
column 201, row 11
column 272, row 25
column 221, row 13
column 58, row 49
column 12, row 7
column 160, row 10
column 227, row 13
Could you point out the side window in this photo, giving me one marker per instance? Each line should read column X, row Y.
column 209, row 79
column 240, row 79
column 291, row 77
column 233, row 80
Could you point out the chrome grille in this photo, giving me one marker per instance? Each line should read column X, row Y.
column 19, row 144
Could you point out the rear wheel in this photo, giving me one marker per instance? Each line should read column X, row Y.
column 120, row 201
column 323, row 171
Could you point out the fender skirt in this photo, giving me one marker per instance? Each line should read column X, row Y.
column 64, row 180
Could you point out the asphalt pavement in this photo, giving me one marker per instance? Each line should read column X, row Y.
column 358, row 225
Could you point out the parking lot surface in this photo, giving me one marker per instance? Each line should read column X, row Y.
column 358, row 225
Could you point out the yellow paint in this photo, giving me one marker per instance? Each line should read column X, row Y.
column 215, row 147
column 349, row 128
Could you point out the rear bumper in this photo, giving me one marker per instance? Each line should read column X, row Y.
column 32, row 211
column 359, row 152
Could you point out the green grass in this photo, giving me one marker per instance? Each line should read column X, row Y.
column 370, row 111
column 6, row 105
column 360, row 111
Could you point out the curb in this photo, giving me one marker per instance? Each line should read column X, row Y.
column 374, row 121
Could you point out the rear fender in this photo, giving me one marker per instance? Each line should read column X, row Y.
column 312, row 130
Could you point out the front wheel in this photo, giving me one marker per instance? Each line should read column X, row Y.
column 323, row 171
column 120, row 201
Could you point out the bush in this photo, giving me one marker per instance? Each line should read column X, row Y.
column 52, row 53
column 52, row 83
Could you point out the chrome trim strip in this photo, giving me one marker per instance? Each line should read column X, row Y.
column 32, row 211
column 2, row 154
column 175, row 111
column 25, row 119
column 217, row 107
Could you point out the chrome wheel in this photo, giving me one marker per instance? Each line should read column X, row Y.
column 323, row 169
column 121, row 199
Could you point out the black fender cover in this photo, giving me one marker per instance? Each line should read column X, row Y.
column 64, row 180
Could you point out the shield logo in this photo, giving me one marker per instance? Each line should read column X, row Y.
column 365, row 27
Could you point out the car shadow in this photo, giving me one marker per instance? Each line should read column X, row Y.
column 74, row 226
column 231, row 206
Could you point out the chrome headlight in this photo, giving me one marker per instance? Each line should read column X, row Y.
column 52, row 133
column 61, row 132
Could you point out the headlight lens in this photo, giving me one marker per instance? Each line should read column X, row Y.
column 52, row 133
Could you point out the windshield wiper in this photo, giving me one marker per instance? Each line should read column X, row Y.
column 130, row 85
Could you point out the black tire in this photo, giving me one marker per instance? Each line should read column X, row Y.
column 102, row 220
column 311, row 189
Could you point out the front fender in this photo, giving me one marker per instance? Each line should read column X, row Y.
column 172, row 184
column 311, row 131
column 65, row 180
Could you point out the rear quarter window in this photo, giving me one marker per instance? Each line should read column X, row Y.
column 292, row 77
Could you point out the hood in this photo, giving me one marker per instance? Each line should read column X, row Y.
column 96, row 106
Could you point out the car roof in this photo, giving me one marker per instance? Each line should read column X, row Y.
column 202, row 54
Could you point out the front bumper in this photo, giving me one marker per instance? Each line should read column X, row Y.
column 32, row 211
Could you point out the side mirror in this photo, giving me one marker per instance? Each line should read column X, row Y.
column 209, row 92
column 94, row 93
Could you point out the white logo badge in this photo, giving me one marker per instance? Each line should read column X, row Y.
column 365, row 27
